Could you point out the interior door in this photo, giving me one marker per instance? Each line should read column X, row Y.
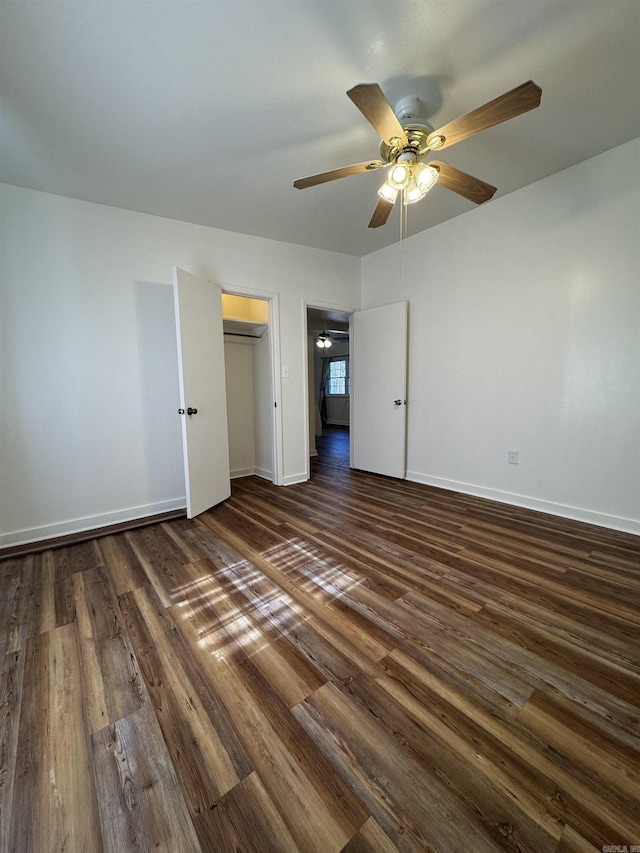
column 203, row 398
column 378, row 355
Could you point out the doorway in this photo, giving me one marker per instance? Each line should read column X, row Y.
column 332, row 450
column 377, row 378
column 247, row 327
column 202, row 377
column 329, row 383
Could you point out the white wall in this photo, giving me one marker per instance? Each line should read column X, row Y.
column 249, row 406
column 88, row 424
column 238, row 364
column 525, row 334
column 338, row 411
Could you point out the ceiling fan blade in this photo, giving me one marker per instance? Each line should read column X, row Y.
column 334, row 174
column 381, row 213
column 370, row 100
column 466, row 185
column 519, row 100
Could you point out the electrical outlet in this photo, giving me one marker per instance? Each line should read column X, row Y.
column 512, row 456
column 285, row 372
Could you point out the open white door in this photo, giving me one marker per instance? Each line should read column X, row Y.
column 203, row 398
column 378, row 356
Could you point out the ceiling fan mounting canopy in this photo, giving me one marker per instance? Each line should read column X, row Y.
column 407, row 109
column 405, row 139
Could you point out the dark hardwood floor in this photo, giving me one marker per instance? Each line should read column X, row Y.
column 351, row 664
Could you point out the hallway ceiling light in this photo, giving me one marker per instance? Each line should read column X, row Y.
column 324, row 341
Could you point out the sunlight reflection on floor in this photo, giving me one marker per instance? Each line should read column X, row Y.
column 231, row 627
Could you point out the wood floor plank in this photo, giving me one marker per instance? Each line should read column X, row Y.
column 599, row 638
column 15, row 604
column 50, row 597
column 162, row 561
column 11, row 694
column 565, row 730
column 245, row 820
column 289, row 671
column 616, row 679
column 555, row 604
column 540, row 671
column 54, row 803
column 141, row 803
column 479, row 674
column 567, row 789
column 113, row 684
column 573, row 842
column 202, row 742
column 512, row 577
column 78, row 557
column 327, row 586
column 313, row 550
column 286, row 598
column 406, row 800
column 36, row 600
column 370, row 838
column 125, row 570
column 411, row 569
column 317, row 806
column 506, row 809
column 222, row 616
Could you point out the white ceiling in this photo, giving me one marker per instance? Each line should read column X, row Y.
column 208, row 111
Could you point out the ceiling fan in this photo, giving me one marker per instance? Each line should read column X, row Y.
column 406, row 141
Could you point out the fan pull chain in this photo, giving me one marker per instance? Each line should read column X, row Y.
column 403, row 218
column 403, row 234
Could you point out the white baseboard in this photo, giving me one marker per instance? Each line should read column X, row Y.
column 250, row 472
column 313, row 452
column 28, row 536
column 292, row 479
column 242, row 472
column 627, row 525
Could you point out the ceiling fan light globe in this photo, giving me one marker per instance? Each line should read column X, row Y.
column 426, row 176
column 388, row 193
column 414, row 194
column 398, row 176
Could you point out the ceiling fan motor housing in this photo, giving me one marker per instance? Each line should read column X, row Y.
column 407, row 109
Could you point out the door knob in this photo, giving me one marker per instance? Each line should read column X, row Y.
column 191, row 411
column 397, row 402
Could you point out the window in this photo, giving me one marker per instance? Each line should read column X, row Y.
column 338, row 377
